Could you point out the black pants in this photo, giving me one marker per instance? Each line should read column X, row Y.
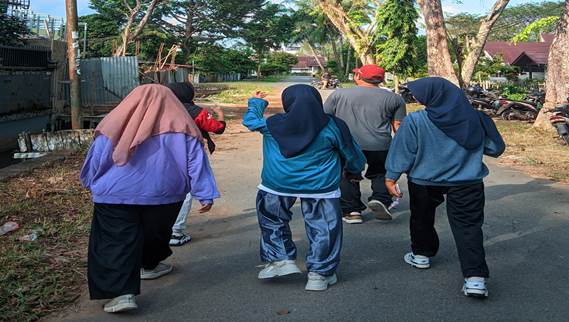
column 465, row 211
column 123, row 239
column 351, row 194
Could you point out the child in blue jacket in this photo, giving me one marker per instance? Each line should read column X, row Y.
column 441, row 150
column 305, row 153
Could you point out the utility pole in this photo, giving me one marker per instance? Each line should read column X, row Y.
column 73, row 62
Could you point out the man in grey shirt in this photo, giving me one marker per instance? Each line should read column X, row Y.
column 372, row 113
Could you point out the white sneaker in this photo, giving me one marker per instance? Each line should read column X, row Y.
column 158, row 271
column 475, row 287
column 317, row 282
column 280, row 268
column 353, row 218
column 179, row 239
column 121, row 304
column 418, row 261
column 380, row 210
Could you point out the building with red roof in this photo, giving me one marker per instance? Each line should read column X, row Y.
column 308, row 65
column 529, row 57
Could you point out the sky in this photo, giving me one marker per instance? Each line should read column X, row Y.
column 57, row 7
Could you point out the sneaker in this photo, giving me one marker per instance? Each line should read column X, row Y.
column 418, row 261
column 353, row 218
column 179, row 239
column 317, row 282
column 280, row 268
column 158, row 271
column 121, row 304
column 380, row 210
column 475, row 287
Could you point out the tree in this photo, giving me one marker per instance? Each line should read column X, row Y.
column 439, row 62
column 102, row 34
column 557, row 84
column 352, row 19
column 131, row 15
column 282, row 58
column 203, row 22
column 397, row 34
column 267, row 29
column 516, row 18
column 12, row 29
column 536, row 28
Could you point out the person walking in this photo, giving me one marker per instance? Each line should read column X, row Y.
column 441, row 150
column 147, row 155
column 207, row 123
column 372, row 114
column 305, row 152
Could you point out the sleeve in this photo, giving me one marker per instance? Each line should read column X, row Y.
column 202, row 181
column 494, row 144
column 207, row 122
column 92, row 163
column 403, row 150
column 253, row 118
column 400, row 110
column 330, row 104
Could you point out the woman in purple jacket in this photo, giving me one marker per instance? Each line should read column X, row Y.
column 147, row 155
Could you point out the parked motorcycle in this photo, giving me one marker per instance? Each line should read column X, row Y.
column 333, row 83
column 406, row 94
column 483, row 100
column 560, row 120
column 526, row 110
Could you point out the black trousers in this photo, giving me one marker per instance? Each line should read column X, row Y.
column 351, row 194
column 465, row 211
column 123, row 239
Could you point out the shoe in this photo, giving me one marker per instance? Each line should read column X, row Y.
column 475, row 287
column 121, row 304
column 418, row 261
column 158, row 271
column 179, row 239
column 380, row 210
column 317, row 282
column 353, row 218
column 280, row 268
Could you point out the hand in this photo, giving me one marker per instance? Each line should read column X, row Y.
column 217, row 110
column 205, row 208
column 392, row 188
column 259, row 94
column 353, row 177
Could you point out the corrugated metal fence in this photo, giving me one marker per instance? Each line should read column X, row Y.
column 29, row 57
column 107, row 80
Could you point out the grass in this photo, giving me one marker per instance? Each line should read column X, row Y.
column 239, row 92
column 530, row 149
column 43, row 276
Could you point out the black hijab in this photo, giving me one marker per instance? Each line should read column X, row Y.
column 185, row 92
column 449, row 109
column 303, row 119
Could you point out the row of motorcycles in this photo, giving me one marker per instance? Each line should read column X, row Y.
column 525, row 110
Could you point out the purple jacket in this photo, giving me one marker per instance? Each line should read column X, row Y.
column 162, row 170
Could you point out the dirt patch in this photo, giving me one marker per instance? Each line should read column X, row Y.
column 42, row 276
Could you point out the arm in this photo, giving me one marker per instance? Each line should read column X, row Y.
column 206, row 122
column 330, row 104
column 494, row 144
column 400, row 113
column 92, row 163
column 402, row 152
column 253, row 118
column 351, row 154
column 202, row 181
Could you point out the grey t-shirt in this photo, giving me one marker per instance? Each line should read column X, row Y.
column 368, row 113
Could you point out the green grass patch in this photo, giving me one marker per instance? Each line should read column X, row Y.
column 239, row 92
column 43, row 276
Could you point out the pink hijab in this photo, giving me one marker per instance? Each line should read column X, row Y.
column 147, row 111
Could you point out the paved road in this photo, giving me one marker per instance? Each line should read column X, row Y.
column 527, row 240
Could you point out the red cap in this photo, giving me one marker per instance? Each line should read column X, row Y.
column 371, row 72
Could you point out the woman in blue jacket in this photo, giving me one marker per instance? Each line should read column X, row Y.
column 304, row 154
column 441, row 150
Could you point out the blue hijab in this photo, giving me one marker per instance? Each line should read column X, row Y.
column 303, row 119
column 449, row 109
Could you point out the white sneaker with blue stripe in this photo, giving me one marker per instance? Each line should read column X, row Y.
column 418, row 261
column 475, row 287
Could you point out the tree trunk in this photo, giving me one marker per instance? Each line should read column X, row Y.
column 342, row 66
column 557, row 83
column 438, row 55
column 315, row 56
column 128, row 35
column 480, row 41
column 337, row 57
column 348, row 58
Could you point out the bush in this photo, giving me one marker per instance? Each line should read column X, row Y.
column 273, row 68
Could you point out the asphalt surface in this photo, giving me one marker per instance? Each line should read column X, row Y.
column 526, row 237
